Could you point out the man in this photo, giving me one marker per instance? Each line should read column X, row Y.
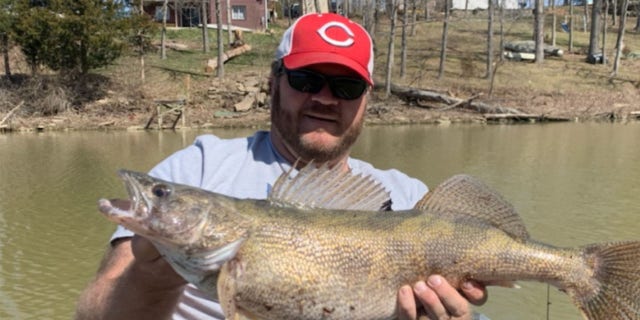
column 318, row 84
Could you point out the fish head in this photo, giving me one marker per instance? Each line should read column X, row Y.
column 159, row 210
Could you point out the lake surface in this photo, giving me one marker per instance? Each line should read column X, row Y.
column 573, row 184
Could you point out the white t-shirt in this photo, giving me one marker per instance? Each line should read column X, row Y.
column 246, row 168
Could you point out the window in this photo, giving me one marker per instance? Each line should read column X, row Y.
column 238, row 12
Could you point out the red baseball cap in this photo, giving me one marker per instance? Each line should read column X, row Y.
column 327, row 38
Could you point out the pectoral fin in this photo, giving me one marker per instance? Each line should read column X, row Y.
column 201, row 268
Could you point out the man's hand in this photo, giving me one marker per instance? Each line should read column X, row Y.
column 152, row 265
column 439, row 299
column 133, row 282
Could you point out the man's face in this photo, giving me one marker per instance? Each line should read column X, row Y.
column 316, row 126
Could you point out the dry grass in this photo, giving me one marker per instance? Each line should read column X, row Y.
column 561, row 86
column 566, row 86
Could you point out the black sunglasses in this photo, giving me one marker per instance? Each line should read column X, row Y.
column 347, row 88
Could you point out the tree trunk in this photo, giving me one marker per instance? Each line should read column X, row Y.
column 427, row 13
column 490, row 39
column 604, row 31
column 502, row 2
column 229, row 28
column 316, row 4
column 595, row 29
column 554, row 22
column 619, row 41
column 539, row 31
column 141, row 55
column 403, row 48
column 571, row 26
column 392, row 34
column 414, row 17
column 443, row 48
column 205, row 28
column 368, row 15
column 637, row 28
column 5, row 54
column 163, row 37
column 586, row 13
column 614, row 12
column 220, row 70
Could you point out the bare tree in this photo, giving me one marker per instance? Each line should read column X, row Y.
column 393, row 16
column 637, row 28
column 163, row 37
column 604, row 31
column 595, row 29
column 490, row 38
column 316, row 4
column 539, row 31
column 220, row 69
column 229, row 29
column 502, row 3
column 585, row 17
column 414, row 17
column 445, row 30
column 571, row 26
column 614, row 12
column 619, row 41
column 554, row 22
column 370, row 16
column 5, row 53
column 205, row 28
column 403, row 48
column 426, row 10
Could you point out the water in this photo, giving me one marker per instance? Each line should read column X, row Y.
column 573, row 184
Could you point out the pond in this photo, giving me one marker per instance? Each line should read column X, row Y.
column 572, row 183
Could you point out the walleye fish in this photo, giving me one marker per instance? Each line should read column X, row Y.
column 322, row 246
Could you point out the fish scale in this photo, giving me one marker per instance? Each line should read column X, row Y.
column 284, row 259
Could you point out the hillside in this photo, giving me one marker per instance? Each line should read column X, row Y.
column 562, row 87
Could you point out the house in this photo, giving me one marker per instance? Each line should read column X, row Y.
column 249, row 14
column 484, row 4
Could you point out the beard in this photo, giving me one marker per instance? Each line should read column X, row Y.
column 287, row 126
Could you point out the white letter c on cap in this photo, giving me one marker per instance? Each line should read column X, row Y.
column 345, row 43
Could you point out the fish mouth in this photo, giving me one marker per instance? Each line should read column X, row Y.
column 134, row 209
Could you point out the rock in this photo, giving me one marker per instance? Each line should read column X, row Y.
column 529, row 46
column 246, row 104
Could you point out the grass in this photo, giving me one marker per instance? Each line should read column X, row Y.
column 565, row 83
column 465, row 67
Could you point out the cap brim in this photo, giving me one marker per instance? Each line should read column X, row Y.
column 301, row 60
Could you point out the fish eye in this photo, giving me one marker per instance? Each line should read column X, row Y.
column 161, row 190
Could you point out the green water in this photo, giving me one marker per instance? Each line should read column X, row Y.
column 573, row 184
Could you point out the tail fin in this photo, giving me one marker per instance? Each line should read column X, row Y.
column 616, row 272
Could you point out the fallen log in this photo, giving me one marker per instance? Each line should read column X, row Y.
column 524, row 117
column 6, row 117
column 212, row 64
column 414, row 94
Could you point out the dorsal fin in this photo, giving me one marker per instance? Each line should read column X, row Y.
column 329, row 188
column 463, row 195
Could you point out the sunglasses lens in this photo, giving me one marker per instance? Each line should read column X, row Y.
column 347, row 88
column 305, row 81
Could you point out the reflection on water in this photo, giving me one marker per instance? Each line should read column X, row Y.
column 572, row 183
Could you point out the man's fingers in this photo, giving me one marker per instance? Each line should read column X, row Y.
column 406, row 304
column 475, row 292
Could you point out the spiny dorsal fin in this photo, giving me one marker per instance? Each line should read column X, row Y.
column 463, row 195
column 335, row 188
